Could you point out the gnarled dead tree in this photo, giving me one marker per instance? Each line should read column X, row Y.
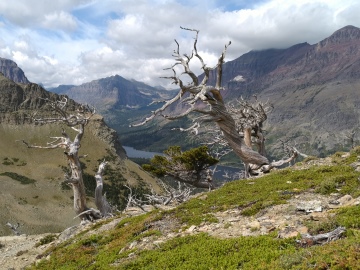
column 100, row 200
column 198, row 93
column 77, row 121
column 171, row 194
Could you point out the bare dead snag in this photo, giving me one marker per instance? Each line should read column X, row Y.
column 240, row 125
column 100, row 200
column 178, row 195
column 134, row 201
column 170, row 195
column 77, row 122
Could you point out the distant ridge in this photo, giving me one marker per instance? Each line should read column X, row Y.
column 114, row 92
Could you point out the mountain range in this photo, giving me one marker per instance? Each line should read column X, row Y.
column 113, row 93
column 313, row 89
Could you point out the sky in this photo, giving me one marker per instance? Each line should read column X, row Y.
column 76, row 41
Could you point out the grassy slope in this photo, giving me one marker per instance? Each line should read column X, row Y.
column 43, row 206
column 112, row 249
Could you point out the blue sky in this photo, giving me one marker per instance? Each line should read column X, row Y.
column 76, row 41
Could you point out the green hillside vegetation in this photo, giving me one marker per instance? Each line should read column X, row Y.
column 113, row 249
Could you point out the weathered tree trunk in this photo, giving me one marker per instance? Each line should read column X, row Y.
column 247, row 136
column 77, row 122
column 226, row 123
column 100, row 201
column 76, row 178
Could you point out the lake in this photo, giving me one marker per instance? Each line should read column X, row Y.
column 131, row 152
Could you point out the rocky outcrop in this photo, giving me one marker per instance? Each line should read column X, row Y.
column 11, row 70
column 19, row 101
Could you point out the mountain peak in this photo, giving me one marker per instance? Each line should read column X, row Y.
column 11, row 71
column 346, row 34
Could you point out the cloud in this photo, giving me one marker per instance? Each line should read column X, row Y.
column 76, row 41
column 41, row 13
column 59, row 20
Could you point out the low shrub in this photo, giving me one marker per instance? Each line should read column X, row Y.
column 20, row 178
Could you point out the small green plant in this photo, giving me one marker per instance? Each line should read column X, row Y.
column 7, row 161
column 317, row 227
column 348, row 217
column 46, row 240
column 287, row 261
column 13, row 161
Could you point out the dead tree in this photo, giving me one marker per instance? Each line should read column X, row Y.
column 170, row 195
column 100, row 200
column 207, row 101
column 133, row 201
column 76, row 121
column 178, row 195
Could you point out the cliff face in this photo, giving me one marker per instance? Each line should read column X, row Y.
column 11, row 70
